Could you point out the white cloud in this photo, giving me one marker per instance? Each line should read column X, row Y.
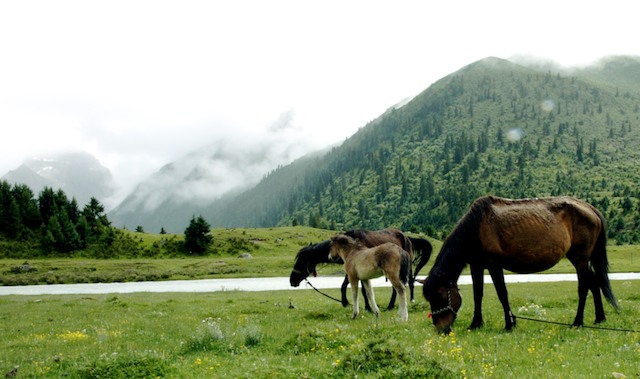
column 141, row 83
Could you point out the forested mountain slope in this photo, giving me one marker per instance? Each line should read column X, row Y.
column 493, row 127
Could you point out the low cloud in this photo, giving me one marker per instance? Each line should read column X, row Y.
column 235, row 161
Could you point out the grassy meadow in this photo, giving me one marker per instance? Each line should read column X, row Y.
column 300, row 334
column 296, row 333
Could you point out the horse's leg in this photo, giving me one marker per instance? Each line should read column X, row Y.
column 497, row 275
column 410, row 281
column 367, row 307
column 343, row 291
column 586, row 281
column 392, row 301
column 597, row 298
column 584, row 284
column 354, row 292
column 403, row 312
column 372, row 299
column 477, row 277
column 583, row 288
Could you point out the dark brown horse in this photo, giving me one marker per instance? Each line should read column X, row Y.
column 363, row 263
column 523, row 236
column 310, row 256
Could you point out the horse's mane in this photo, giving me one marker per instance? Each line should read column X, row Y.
column 453, row 256
column 359, row 234
column 316, row 253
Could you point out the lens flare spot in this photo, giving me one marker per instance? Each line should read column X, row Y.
column 547, row 105
column 515, row 135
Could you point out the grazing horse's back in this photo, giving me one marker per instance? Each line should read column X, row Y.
column 510, row 230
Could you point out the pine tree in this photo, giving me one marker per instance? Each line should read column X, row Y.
column 94, row 215
column 197, row 236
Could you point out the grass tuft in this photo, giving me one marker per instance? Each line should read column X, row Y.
column 125, row 368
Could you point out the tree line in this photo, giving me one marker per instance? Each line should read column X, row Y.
column 55, row 221
column 53, row 224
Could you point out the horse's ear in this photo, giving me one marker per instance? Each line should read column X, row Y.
column 340, row 239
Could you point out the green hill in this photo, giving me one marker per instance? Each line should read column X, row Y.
column 493, row 127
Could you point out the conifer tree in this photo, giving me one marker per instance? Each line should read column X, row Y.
column 197, row 236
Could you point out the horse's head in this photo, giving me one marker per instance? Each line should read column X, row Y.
column 341, row 245
column 303, row 267
column 307, row 259
column 445, row 301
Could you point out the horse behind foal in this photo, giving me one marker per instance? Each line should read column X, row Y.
column 310, row 256
column 362, row 263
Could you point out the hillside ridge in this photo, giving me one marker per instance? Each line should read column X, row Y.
column 492, row 127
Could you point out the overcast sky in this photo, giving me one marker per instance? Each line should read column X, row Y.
column 140, row 83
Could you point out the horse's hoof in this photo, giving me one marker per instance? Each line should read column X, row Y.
column 599, row 320
column 475, row 325
column 510, row 323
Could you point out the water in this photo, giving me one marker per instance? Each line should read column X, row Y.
column 253, row 284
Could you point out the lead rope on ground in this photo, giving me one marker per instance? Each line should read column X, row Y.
column 322, row 293
column 583, row 326
column 516, row 316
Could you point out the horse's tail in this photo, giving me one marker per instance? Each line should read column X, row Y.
column 405, row 266
column 600, row 263
column 409, row 251
column 422, row 250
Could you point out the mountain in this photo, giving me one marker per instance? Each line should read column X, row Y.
column 78, row 174
column 621, row 72
column 492, row 127
column 181, row 189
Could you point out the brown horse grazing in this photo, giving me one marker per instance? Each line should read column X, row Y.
column 362, row 263
column 523, row 236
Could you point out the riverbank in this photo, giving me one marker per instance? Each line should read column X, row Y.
column 253, row 284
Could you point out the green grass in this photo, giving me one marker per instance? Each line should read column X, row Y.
column 257, row 335
column 272, row 253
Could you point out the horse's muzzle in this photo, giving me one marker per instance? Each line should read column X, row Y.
column 295, row 279
column 446, row 330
